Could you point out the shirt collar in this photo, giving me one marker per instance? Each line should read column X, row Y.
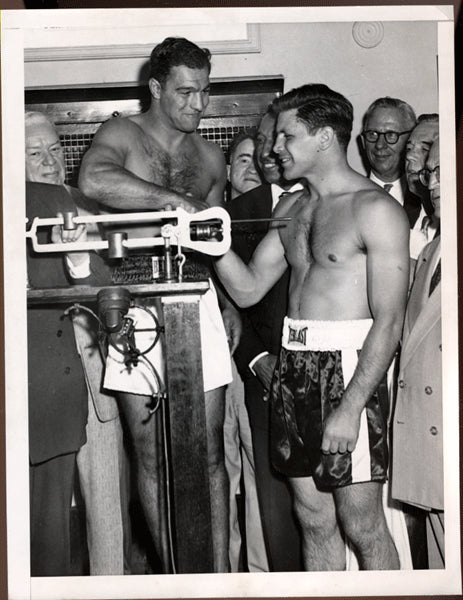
column 277, row 190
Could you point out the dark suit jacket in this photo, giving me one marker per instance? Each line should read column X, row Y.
column 262, row 323
column 412, row 204
column 57, row 389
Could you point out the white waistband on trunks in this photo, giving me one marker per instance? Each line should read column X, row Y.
column 301, row 334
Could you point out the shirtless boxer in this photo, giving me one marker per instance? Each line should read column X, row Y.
column 156, row 160
column 347, row 247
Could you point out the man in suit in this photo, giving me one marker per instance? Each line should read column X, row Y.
column 57, row 399
column 243, row 176
column 101, row 459
column 417, row 467
column 387, row 125
column 256, row 355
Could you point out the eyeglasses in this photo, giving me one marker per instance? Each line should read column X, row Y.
column 425, row 175
column 391, row 137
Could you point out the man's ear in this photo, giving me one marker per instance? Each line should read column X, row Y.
column 326, row 136
column 362, row 142
column 155, row 88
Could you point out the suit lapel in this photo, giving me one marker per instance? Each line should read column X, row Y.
column 423, row 311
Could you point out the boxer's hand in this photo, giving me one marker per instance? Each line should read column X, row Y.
column 341, row 430
column 192, row 205
column 264, row 369
column 188, row 203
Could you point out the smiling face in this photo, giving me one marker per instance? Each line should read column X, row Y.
column 243, row 172
column 183, row 98
column 44, row 154
column 386, row 160
column 295, row 146
column 266, row 158
column 417, row 150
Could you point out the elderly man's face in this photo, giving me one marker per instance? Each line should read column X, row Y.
column 417, row 150
column 44, row 155
column 386, row 160
column 433, row 167
column 243, row 173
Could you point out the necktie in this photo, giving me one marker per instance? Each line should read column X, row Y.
column 435, row 279
column 388, row 187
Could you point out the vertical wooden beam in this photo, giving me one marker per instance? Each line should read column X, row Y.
column 187, row 432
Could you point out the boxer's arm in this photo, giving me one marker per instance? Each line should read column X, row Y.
column 215, row 161
column 247, row 284
column 385, row 233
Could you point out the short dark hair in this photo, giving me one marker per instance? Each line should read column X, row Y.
column 244, row 134
column 176, row 51
column 388, row 102
column 428, row 118
column 319, row 106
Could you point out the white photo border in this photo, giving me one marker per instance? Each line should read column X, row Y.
column 16, row 26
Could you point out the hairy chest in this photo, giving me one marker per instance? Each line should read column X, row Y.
column 182, row 170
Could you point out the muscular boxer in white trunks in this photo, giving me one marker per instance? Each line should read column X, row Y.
column 156, row 160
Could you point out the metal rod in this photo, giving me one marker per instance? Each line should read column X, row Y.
column 260, row 220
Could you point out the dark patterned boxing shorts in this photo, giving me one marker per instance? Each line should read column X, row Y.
column 317, row 361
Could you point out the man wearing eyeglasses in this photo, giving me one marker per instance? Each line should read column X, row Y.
column 417, row 453
column 387, row 125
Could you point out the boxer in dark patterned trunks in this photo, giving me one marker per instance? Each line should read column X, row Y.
column 317, row 361
column 346, row 245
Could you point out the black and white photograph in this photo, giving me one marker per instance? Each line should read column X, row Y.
column 202, row 209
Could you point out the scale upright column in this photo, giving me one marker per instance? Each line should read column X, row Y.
column 188, row 439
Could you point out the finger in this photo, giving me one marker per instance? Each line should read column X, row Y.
column 326, row 444
column 334, row 447
column 56, row 234
column 80, row 232
column 342, row 447
column 351, row 446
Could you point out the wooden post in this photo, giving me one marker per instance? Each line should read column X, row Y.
column 188, row 441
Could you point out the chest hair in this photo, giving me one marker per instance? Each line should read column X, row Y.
column 178, row 172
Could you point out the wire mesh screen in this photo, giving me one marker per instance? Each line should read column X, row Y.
column 75, row 146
